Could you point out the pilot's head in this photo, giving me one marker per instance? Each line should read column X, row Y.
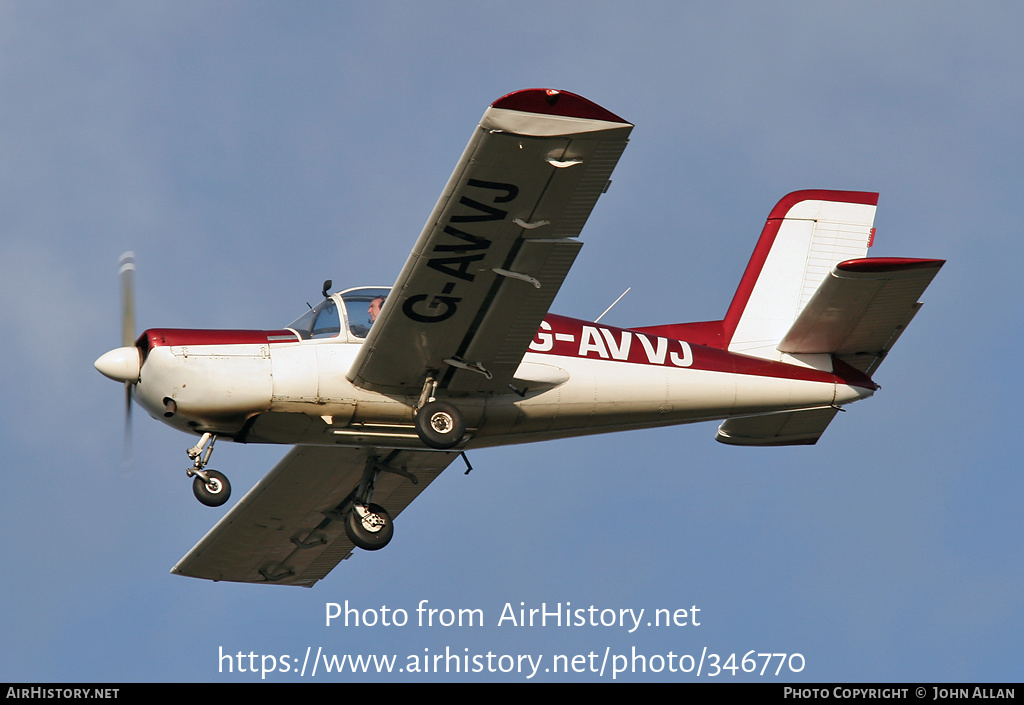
column 374, row 309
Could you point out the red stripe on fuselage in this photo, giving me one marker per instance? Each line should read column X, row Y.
column 155, row 337
column 569, row 337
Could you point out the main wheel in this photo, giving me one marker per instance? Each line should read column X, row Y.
column 213, row 493
column 440, row 425
column 371, row 532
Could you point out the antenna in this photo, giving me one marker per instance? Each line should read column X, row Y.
column 613, row 303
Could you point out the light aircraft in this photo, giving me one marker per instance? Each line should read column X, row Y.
column 381, row 388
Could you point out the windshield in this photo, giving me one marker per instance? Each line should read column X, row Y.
column 322, row 321
column 363, row 306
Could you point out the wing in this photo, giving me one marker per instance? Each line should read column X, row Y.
column 289, row 528
column 860, row 310
column 497, row 247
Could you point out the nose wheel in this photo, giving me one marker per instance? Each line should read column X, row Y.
column 209, row 486
column 214, row 491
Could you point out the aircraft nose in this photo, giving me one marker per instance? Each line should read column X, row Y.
column 120, row 364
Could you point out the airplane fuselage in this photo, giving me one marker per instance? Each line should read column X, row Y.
column 577, row 378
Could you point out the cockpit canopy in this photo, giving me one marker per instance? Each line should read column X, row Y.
column 358, row 311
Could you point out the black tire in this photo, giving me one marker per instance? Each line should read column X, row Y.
column 372, row 532
column 440, row 425
column 214, row 494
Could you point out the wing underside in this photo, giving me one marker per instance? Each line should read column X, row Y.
column 496, row 249
column 289, row 528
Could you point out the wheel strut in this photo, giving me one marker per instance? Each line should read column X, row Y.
column 368, row 525
column 209, row 486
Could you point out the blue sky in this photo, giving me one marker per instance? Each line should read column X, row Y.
column 249, row 150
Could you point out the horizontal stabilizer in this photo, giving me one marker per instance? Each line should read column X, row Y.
column 859, row 310
column 790, row 428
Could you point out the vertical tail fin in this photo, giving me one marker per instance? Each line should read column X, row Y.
column 806, row 235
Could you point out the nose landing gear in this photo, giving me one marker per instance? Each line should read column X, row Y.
column 213, row 491
column 209, row 486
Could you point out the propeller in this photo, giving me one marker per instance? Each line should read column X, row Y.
column 124, row 364
column 126, row 272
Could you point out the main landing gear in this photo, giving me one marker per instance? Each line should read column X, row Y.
column 209, row 486
column 368, row 525
column 438, row 423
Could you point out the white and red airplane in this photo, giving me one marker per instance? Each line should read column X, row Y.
column 465, row 355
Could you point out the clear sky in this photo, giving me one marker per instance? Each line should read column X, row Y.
column 249, row 150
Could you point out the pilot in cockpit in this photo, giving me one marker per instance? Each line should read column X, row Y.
column 361, row 331
column 374, row 309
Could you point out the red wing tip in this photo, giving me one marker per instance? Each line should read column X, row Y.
column 547, row 101
column 888, row 264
